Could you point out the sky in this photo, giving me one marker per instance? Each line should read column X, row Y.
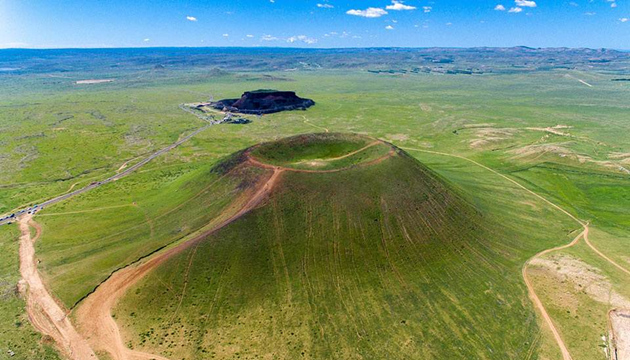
column 314, row 23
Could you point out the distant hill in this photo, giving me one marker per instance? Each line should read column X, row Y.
column 139, row 60
column 264, row 101
column 360, row 251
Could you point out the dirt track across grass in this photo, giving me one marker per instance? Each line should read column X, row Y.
column 94, row 314
column 252, row 160
column 532, row 294
column 43, row 311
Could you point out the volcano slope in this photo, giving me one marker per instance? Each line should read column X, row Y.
column 366, row 254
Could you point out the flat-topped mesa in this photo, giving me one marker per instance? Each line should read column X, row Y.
column 264, row 102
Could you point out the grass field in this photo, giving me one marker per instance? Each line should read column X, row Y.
column 371, row 262
column 545, row 129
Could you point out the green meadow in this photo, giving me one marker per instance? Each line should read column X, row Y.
column 546, row 130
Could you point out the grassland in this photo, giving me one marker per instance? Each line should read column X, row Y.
column 374, row 262
column 56, row 135
column 143, row 225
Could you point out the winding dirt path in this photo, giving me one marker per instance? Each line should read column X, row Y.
column 252, row 160
column 536, row 300
column 566, row 355
column 612, row 262
column 313, row 125
column 43, row 311
column 344, row 156
column 94, row 314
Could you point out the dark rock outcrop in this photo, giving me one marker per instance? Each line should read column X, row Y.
column 264, row 102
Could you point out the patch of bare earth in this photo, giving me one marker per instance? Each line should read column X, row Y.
column 620, row 334
column 556, row 130
column 397, row 137
column 488, row 136
column 425, row 108
column 93, row 81
column 43, row 311
column 94, row 314
column 558, row 149
column 619, row 156
column 584, row 277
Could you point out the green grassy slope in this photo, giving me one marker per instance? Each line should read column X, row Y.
column 81, row 247
column 320, row 151
column 492, row 115
column 383, row 261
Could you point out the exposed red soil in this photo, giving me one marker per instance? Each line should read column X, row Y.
column 43, row 311
column 94, row 314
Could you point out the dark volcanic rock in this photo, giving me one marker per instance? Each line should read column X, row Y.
column 264, row 102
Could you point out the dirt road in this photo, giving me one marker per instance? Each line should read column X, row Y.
column 252, row 160
column 313, row 125
column 43, row 311
column 117, row 176
column 346, row 155
column 94, row 314
column 532, row 294
column 612, row 262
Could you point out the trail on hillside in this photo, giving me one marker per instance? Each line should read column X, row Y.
column 532, row 293
column 346, row 155
column 612, row 262
column 378, row 160
column 536, row 300
column 43, row 311
column 565, row 353
column 313, row 125
column 94, row 314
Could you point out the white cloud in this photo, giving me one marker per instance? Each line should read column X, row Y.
column 368, row 13
column 427, row 9
column 268, row 38
column 16, row 44
column 249, row 35
column 325, row 6
column 302, row 38
column 191, row 18
column 589, row 13
column 146, row 40
column 389, row 27
column 613, row 5
column 226, row 35
column 525, row 3
column 499, row 8
column 624, row 20
column 515, row 10
column 399, row 6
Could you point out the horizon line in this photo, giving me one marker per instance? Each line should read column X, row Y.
column 317, row 48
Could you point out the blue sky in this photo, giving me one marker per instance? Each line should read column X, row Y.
column 314, row 23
